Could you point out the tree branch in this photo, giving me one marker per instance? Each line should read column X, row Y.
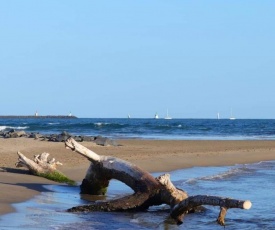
column 193, row 201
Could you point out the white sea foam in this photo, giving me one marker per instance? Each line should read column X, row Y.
column 134, row 221
column 3, row 128
column 223, row 175
column 12, row 127
column 98, row 124
column 101, row 123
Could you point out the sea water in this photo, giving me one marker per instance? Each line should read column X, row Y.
column 254, row 182
column 182, row 129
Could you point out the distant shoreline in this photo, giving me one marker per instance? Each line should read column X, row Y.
column 37, row 117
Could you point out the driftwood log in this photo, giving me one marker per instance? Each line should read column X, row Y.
column 40, row 163
column 41, row 166
column 148, row 191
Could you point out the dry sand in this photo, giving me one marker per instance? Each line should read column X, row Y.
column 16, row 185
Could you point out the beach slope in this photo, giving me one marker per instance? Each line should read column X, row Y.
column 16, row 185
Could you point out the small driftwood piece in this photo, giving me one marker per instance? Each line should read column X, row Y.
column 148, row 191
column 194, row 201
column 43, row 167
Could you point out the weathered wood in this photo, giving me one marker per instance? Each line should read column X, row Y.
column 104, row 168
column 43, row 167
column 89, row 154
column 40, row 164
column 170, row 194
column 221, row 217
column 148, row 190
column 193, row 201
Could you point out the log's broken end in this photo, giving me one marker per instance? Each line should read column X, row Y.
column 247, row 204
column 19, row 154
column 70, row 143
column 221, row 218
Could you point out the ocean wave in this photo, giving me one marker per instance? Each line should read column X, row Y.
column 100, row 123
column 109, row 125
column 168, row 126
column 2, row 128
column 262, row 165
column 233, row 172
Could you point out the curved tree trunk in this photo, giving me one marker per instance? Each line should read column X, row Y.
column 104, row 168
column 148, row 190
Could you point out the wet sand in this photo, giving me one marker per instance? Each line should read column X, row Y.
column 16, row 185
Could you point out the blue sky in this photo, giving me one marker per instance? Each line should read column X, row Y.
column 114, row 58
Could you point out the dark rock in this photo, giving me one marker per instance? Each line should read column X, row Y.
column 21, row 133
column 64, row 133
column 14, row 134
column 113, row 143
column 7, row 135
column 36, row 135
column 87, row 138
column 2, row 134
column 105, row 141
column 11, row 131
column 78, row 138
column 52, row 138
column 62, row 137
column 59, row 137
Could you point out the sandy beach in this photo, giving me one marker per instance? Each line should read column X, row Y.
column 16, row 185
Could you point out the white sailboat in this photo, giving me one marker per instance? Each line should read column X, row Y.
column 167, row 116
column 218, row 116
column 156, row 116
